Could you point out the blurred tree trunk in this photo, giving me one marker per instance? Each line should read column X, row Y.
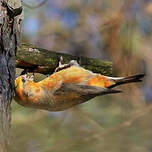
column 9, row 32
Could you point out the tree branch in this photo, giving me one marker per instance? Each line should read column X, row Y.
column 44, row 61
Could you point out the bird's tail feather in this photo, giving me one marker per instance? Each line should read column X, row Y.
column 130, row 79
column 109, row 91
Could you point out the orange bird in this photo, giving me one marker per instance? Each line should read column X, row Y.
column 70, row 85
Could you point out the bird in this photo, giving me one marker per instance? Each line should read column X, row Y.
column 68, row 86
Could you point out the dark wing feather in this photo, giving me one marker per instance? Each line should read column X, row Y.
column 84, row 91
column 130, row 79
column 69, row 95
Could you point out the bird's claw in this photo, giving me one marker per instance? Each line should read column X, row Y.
column 28, row 78
column 64, row 66
column 31, row 77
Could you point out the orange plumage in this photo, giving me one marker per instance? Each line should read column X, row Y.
column 66, row 88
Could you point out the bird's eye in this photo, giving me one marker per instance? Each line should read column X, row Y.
column 23, row 80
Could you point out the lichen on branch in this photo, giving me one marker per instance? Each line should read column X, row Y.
column 45, row 61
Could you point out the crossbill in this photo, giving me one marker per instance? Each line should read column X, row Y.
column 66, row 88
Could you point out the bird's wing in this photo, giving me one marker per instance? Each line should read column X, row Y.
column 69, row 95
column 83, row 91
column 86, row 89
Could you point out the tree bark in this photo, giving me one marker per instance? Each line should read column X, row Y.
column 44, row 61
column 9, row 32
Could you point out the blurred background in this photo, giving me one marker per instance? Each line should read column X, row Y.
column 119, row 31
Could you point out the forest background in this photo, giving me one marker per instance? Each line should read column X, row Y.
column 118, row 31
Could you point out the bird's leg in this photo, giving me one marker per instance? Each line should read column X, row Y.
column 64, row 66
column 25, row 71
column 61, row 66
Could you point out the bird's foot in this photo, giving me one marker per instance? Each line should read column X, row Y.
column 64, row 66
column 26, row 76
column 29, row 77
column 25, row 71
